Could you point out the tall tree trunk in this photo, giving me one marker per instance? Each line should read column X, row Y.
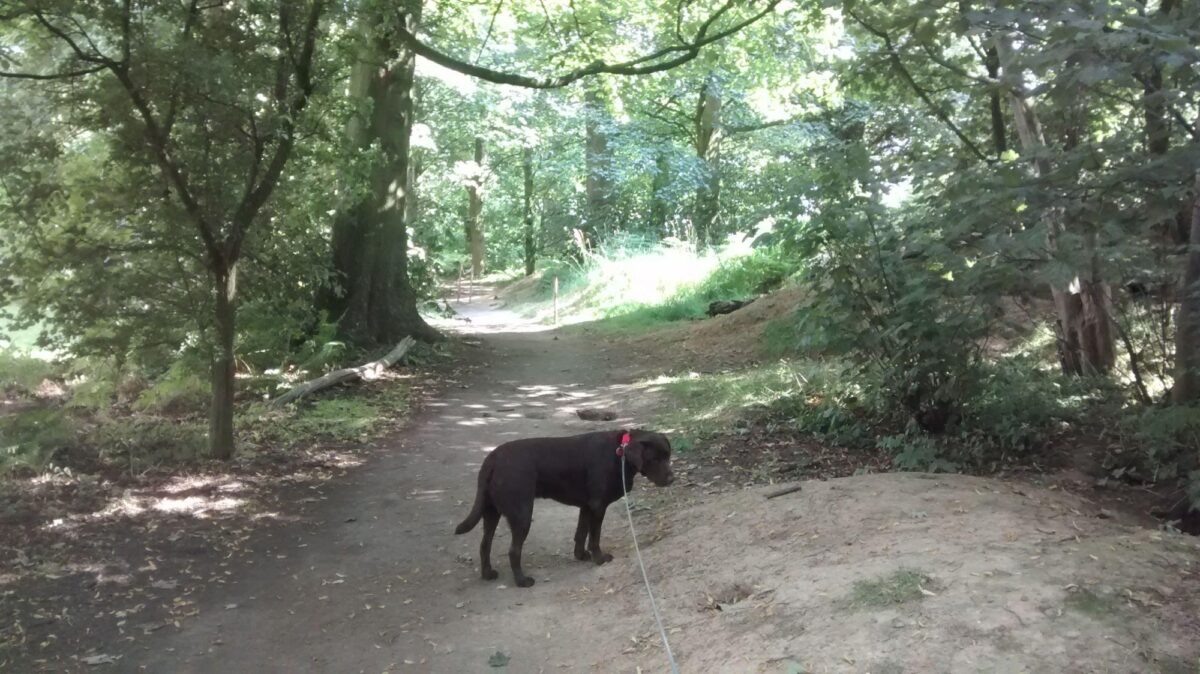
column 412, row 204
column 708, row 143
column 598, row 161
column 474, row 228
column 527, row 211
column 220, row 417
column 375, row 303
column 1085, row 338
column 659, row 209
column 991, row 61
column 1187, row 322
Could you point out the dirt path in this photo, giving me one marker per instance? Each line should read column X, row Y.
column 874, row 573
column 375, row 581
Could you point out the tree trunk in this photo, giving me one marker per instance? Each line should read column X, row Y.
column 375, row 303
column 659, row 209
column 1187, row 323
column 1084, row 326
column 991, row 61
column 412, row 207
column 527, row 211
column 220, row 426
column 474, row 230
column 598, row 161
column 708, row 144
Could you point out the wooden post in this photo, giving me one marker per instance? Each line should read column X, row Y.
column 471, row 287
column 458, row 284
column 556, row 300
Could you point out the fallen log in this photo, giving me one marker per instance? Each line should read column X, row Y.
column 366, row 371
column 718, row 307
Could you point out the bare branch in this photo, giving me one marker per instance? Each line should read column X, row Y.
column 657, row 61
column 53, row 76
column 491, row 26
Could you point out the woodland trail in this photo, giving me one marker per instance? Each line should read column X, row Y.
column 374, row 580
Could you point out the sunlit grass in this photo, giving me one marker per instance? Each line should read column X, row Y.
column 704, row 403
column 629, row 284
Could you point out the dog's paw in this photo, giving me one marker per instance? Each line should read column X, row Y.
column 525, row 582
column 490, row 574
column 602, row 559
column 583, row 555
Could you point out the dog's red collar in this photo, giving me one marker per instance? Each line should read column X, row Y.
column 625, row 440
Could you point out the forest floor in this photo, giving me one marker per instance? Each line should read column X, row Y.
column 359, row 571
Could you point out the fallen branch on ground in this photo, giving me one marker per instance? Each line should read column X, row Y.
column 785, row 491
column 366, row 371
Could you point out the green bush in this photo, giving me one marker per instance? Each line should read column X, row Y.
column 31, row 438
column 1167, row 440
column 23, row 374
column 183, row 389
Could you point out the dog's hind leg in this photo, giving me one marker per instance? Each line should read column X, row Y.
column 519, row 524
column 581, row 534
column 490, row 519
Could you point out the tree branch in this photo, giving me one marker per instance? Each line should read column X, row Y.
column 254, row 200
column 894, row 56
column 53, row 76
column 657, row 61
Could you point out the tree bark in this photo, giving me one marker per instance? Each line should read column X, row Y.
column 375, row 303
column 1085, row 339
column 1187, row 323
column 991, row 61
column 598, row 188
column 220, row 417
column 659, row 209
column 527, row 211
column 474, row 228
column 708, row 144
column 412, row 204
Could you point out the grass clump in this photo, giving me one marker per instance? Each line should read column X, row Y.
column 900, row 587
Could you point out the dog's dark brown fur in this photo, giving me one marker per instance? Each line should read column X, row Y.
column 580, row 470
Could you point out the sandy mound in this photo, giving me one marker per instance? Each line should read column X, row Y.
column 724, row 341
column 903, row 573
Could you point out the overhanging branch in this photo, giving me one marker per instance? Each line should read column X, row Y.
column 657, row 61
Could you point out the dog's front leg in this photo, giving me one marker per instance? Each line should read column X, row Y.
column 581, row 534
column 597, row 521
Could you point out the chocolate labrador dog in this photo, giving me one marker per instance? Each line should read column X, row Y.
column 581, row 470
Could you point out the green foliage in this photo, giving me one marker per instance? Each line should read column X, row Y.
column 21, row 373
column 181, row 390
column 31, row 438
column 1165, row 441
column 341, row 419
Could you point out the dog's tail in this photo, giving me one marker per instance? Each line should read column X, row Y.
column 480, row 501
